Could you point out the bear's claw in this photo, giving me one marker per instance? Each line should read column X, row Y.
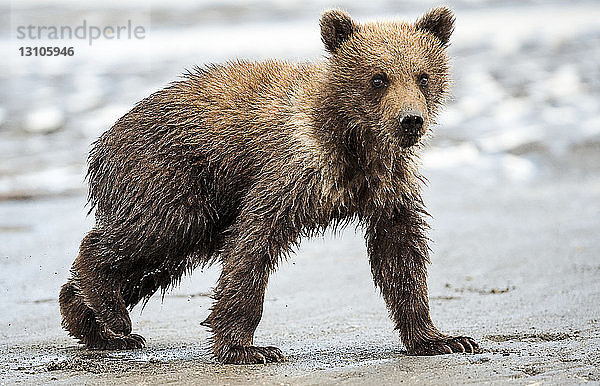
column 243, row 355
column 113, row 341
column 445, row 345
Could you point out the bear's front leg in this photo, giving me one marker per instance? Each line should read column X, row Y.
column 250, row 253
column 237, row 311
column 398, row 254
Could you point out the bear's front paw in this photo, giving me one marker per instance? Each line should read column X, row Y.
column 445, row 345
column 245, row 355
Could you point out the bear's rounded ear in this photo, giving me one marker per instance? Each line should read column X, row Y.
column 439, row 22
column 336, row 27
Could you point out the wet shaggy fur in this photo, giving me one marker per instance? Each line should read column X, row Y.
column 236, row 163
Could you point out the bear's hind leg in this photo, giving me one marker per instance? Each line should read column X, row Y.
column 91, row 302
column 78, row 319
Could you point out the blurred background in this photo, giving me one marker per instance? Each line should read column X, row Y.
column 526, row 93
column 515, row 159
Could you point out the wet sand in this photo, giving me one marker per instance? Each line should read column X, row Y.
column 516, row 266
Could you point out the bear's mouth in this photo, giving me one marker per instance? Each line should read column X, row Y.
column 409, row 140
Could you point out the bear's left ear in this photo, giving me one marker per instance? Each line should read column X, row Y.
column 439, row 22
column 336, row 27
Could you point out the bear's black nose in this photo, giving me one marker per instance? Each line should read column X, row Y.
column 411, row 124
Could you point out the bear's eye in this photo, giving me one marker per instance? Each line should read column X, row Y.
column 423, row 80
column 379, row 81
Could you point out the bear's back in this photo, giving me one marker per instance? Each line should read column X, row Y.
column 226, row 121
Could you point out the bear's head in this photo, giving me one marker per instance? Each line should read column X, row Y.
column 388, row 77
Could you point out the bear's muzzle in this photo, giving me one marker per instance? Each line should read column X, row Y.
column 411, row 128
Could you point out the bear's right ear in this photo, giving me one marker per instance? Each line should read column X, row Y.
column 336, row 27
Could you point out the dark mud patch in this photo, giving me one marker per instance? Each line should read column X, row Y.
column 446, row 297
column 482, row 291
column 14, row 228
column 532, row 370
column 22, row 195
column 98, row 366
column 47, row 359
column 40, row 301
column 541, row 337
column 478, row 360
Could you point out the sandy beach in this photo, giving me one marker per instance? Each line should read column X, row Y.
column 515, row 267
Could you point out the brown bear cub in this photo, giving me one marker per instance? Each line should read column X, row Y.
column 236, row 163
